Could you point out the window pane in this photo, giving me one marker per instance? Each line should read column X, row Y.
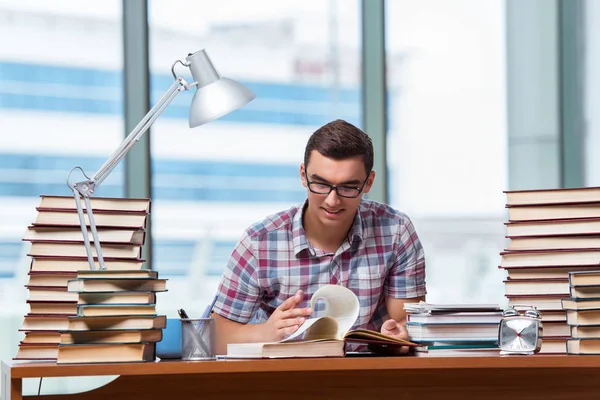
column 447, row 138
column 301, row 58
column 60, row 106
column 591, row 89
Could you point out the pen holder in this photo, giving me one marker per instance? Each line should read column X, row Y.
column 198, row 339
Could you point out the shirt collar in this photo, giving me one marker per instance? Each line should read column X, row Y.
column 299, row 240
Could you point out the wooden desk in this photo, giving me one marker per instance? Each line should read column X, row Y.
column 525, row 377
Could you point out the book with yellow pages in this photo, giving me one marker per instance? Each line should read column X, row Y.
column 324, row 336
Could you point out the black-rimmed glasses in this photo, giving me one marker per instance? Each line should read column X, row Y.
column 342, row 191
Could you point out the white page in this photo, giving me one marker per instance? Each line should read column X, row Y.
column 341, row 304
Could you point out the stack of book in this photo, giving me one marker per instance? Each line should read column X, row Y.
column 453, row 329
column 551, row 233
column 72, row 305
column 583, row 312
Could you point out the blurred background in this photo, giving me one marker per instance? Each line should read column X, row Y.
column 463, row 98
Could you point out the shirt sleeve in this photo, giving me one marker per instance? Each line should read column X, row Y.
column 238, row 296
column 406, row 278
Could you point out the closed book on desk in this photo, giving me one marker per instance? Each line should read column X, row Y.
column 74, row 264
column 58, row 249
column 66, row 234
column 563, row 227
column 553, row 211
column 33, row 352
column 93, row 285
column 583, row 346
column 50, row 279
column 66, row 323
column 535, row 258
column 553, row 196
column 584, row 242
column 324, row 336
column 103, row 219
column 111, row 336
column 105, row 353
column 97, row 310
column 139, row 205
column 117, row 298
column 52, row 307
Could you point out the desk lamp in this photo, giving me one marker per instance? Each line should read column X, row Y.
column 215, row 97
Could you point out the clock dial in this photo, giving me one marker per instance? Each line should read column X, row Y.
column 518, row 335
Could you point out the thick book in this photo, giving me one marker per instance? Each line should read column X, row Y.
column 584, row 291
column 64, row 323
column 111, row 336
column 140, row 205
column 585, row 278
column 451, row 332
column 583, row 317
column 455, row 317
column 554, row 211
column 59, row 249
column 545, row 271
column 50, row 279
column 98, row 310
column 438, row 308
column 557, row 286
column 52, row 307
column 552, row 196
column 581, row 304
column 62, row 264
column 324, row 336
column 533, row 258
column 590, row 226
column 583, row 242
column 83, row 337
column 74, row 235
column 117, row 298
column 583, row 346
column 105, row 353
column 103, row 219
column 44, row 293
column 34, row 351
column 542, row 302
column 93, row 285
column 584, row 332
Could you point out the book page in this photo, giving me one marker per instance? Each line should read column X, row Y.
column 341, row 311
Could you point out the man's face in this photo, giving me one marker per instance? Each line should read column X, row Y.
column 332, row 209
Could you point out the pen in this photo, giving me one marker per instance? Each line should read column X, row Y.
column 209, row 308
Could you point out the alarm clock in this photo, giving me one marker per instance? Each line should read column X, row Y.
column 520, row 331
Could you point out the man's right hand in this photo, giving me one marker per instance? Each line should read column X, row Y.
column 286, row 319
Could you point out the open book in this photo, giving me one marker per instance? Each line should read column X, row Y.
column 324, row 336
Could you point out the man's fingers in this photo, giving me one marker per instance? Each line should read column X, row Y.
column 289, row 322
column 292, row 301
column 296, row 312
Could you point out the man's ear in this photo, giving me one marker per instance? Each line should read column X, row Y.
column 369, row 183
column 303, row 175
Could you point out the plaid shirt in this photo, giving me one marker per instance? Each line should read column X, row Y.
column 382, row 255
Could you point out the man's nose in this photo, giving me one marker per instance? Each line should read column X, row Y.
column 332, row 198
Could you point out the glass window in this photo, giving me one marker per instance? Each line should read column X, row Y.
column 60, row 106
column 591, row 90
column 302, row 59
column 447, row 138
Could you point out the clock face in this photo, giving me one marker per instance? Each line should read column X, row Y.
column 518, row 335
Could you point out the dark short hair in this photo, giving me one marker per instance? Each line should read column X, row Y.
column 340, row 140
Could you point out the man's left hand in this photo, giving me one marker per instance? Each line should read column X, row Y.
column 393, row 328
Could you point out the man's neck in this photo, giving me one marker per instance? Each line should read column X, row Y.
column 322, row 237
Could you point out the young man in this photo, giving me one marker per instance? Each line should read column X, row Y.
column 335, row 237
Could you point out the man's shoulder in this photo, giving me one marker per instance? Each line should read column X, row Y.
column 280, row 221
column 376, row 213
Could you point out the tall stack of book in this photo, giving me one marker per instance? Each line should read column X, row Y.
column 58, row 306
column 453, row 329
column 583, row 312
column 551, row 233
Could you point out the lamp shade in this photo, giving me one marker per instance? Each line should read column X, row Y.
column 215, row 95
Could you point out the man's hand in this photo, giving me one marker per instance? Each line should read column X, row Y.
column 393, row 328
column 286, row 319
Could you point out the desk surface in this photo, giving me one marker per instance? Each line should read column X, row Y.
column 51, row 369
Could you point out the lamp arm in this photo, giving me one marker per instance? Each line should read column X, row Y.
column 85, row 188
